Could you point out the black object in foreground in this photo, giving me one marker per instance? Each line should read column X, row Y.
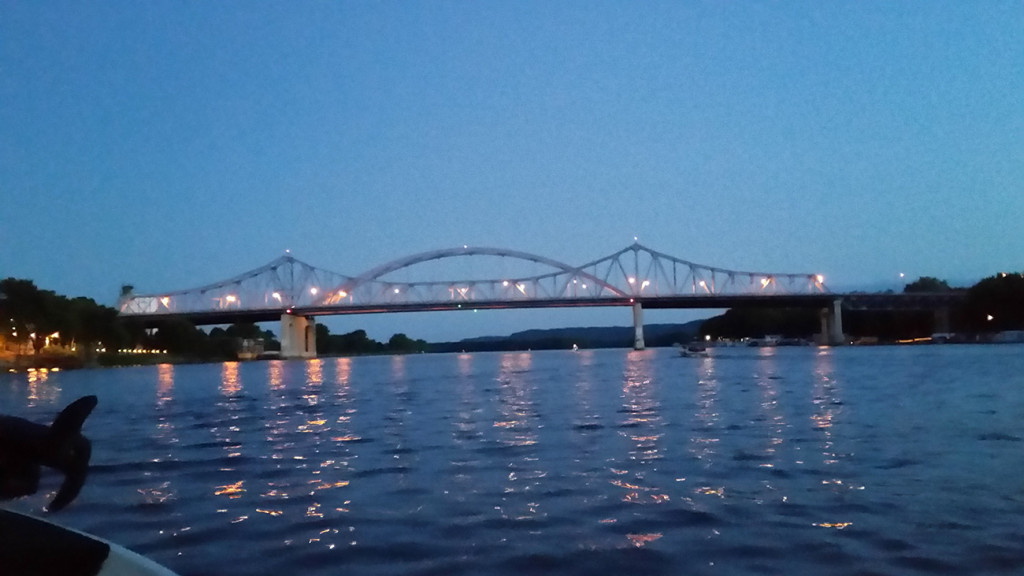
column 26, row 446
column 34, row 547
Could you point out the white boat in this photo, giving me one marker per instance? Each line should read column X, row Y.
column 31, row 546
column 692, row 351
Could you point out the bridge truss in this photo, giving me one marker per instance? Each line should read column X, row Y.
column 635, row 273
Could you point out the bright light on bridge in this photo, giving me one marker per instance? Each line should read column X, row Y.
column 266, row 288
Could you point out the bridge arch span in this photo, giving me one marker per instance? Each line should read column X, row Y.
column 377, row 273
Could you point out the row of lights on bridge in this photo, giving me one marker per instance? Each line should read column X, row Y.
column 233, row 299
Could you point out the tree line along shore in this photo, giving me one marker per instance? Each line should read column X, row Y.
column 41, row 328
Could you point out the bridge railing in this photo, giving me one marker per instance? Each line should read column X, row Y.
column 634, row 272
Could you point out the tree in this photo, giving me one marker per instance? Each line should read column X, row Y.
column 244, row 330
column 323, row 338
column 756, row 322
column 179, row 336
column 927, row 284
column 402, row 343
column 1000, row 297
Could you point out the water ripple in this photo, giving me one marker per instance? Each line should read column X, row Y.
column 599, row 462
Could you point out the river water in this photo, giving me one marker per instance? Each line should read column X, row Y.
column 884, row 460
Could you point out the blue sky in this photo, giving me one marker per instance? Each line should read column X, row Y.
column 172, row 144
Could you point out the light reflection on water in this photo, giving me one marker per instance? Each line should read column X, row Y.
column 594, row 462
column 705, row 434
column 641, row 425
column 516, row 428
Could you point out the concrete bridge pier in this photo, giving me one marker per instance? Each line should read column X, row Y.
column 298, row 336
column 638, row 326
column 832, row 324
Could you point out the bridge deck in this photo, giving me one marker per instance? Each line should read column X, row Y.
column 850, row 301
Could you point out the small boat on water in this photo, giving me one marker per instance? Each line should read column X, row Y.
column 692, row 351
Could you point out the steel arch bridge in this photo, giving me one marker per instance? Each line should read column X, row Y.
column 295, row 292
column 288, row 285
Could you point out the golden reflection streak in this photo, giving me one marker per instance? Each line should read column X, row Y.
column 224, row 429
column 38, row 375
column 836, row 525
column 314, row 381
column 314, row 372
column 276, row 426
column 230, row 383
column 165, row 429
column 40, row 388
column 164, row 384
column 640, row 424
column 33, row 388
column 340, row 433
column 230, row 490
column 315, row 424
column 343, row 371
column 641, row 540
column 165, row 433
column 275, row 374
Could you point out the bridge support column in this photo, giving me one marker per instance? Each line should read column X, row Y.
column 298, row 337
column 638, row 327
column 832, row 325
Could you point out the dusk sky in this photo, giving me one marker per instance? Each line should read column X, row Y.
column 173, row 144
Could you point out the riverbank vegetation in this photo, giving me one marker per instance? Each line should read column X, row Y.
column 993, row 305
column 41, row 328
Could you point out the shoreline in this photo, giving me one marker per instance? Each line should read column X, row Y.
column 46, row 362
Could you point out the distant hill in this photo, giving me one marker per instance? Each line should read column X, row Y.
column 655, row 335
